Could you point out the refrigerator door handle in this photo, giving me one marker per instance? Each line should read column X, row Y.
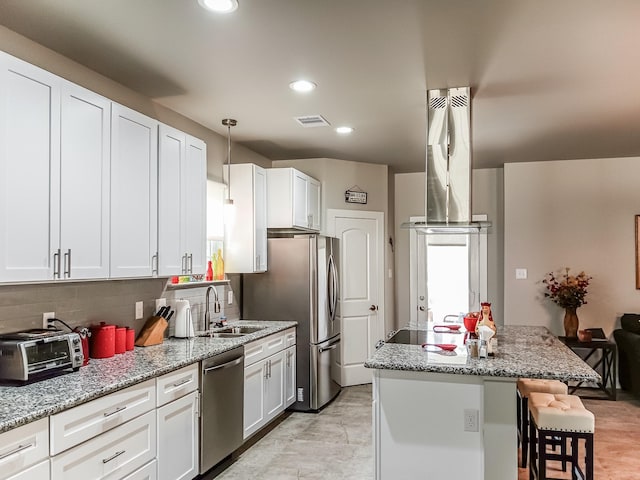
column 333, row 289
column 331, row 346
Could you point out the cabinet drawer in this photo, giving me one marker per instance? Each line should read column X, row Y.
column 112, row 455
column 176, row 384
column 39, row 471
column 78, row 424
column 262, row 348
column 289, row 337
column 23, row 446
column 148, row 472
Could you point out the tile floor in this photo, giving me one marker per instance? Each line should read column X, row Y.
column 335, row 444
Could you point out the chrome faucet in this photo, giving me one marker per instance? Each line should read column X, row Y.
column 216, row 307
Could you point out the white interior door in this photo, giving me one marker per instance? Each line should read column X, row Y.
column 361, row 237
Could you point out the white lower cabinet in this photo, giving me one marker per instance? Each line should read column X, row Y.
column 39, row 471
column 265, row 379
column 22, row 448
column 178, row 439
column 112, row 455
column 290, row 376
column 147, row 472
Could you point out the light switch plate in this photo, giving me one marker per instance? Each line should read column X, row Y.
column 230, row 297
column 521, row 273
column 139, row 310
column 160, row 302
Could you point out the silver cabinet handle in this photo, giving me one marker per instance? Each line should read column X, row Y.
column 154, row 264
column 183, row 264
column 119, row 409
column 266, row 370
column 56, row 264
column 180, row 383
column 18, row 449
column 115, row 455
column 190, row 263
column 67, row 264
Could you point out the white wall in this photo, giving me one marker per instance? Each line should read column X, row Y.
column 337, row 176
column 578, row 214
column 487, row 197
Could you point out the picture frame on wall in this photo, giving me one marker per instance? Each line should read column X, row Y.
column 637, row 252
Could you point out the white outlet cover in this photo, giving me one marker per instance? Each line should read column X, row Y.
column 160, row 302
column 139, row 310
column 521, row 273
column 230, row 297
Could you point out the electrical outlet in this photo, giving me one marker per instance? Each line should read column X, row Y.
column 45, row 319
column 230, row 297
column 470, row 420
column 160, row 302
column 521, row 273
column 139, row 310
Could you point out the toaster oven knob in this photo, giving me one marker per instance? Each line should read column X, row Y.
column 78, row 358
column 75, row 340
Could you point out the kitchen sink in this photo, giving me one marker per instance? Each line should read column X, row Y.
column 224, row 334
column 241, row 330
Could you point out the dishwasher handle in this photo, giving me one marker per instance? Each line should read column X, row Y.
column 232, row 363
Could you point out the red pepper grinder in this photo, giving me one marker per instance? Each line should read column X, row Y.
column 209, row 276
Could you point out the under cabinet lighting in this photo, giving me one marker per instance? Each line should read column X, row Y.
column 219, row 6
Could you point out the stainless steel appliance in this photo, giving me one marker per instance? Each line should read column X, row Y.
column 221, row 413
column 34, row 354
column 302, row 285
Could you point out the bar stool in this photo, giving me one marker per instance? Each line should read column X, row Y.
column 560, row 417
column 525, row 386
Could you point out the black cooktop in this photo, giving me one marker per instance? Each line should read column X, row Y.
column 409, row 337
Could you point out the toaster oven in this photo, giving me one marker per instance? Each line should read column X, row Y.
column 35, row 354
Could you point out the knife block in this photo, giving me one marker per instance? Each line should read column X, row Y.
column 152, row 332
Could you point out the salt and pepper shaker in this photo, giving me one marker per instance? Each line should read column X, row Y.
column 483, row 349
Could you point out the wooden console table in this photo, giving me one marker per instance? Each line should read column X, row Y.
column 606, row 365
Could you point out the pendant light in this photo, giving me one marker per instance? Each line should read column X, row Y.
column 228, row 208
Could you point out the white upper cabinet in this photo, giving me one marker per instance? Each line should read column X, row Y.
column 29, row 161
column 54, row 164
column 134, row 193
column 246, row 237
column 182, row 184
column 293, row 200
column 84, row 183
column 195, row 198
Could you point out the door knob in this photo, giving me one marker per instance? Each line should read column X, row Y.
column 373, row 308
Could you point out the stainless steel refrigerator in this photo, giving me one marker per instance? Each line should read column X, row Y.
column 301, row 284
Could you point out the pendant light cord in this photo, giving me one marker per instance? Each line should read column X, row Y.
column 229, row 122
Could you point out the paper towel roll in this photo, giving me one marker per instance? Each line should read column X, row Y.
column 184, row 322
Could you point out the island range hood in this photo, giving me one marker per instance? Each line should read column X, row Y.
column 448, row 165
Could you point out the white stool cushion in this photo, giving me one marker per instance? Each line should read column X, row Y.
column 528, row 385
column 563, row 413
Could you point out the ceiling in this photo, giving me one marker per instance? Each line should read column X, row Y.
column 550, row 79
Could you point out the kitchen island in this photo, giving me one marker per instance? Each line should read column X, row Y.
column 440, row 414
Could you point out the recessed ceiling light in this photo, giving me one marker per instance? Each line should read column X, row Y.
column 302, row 86
column 344, row 130
column 219, row 6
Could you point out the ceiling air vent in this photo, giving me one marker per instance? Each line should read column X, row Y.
column 312, row 121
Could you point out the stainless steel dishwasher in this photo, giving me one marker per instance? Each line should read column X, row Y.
column 221, row 406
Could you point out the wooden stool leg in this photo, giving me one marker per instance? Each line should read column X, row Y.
column 524, row 412
column 589, row 457
column 542, row 455
column 533, row 458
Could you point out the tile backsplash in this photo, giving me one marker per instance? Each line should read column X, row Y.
column 111, row 301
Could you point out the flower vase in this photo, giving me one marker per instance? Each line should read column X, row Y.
column 570, row 322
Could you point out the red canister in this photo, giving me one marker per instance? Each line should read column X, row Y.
column 121, row 339
column 131, row 338
column 103, row 341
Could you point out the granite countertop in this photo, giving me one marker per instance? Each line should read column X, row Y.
column 26, row 403
column 531, row 352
